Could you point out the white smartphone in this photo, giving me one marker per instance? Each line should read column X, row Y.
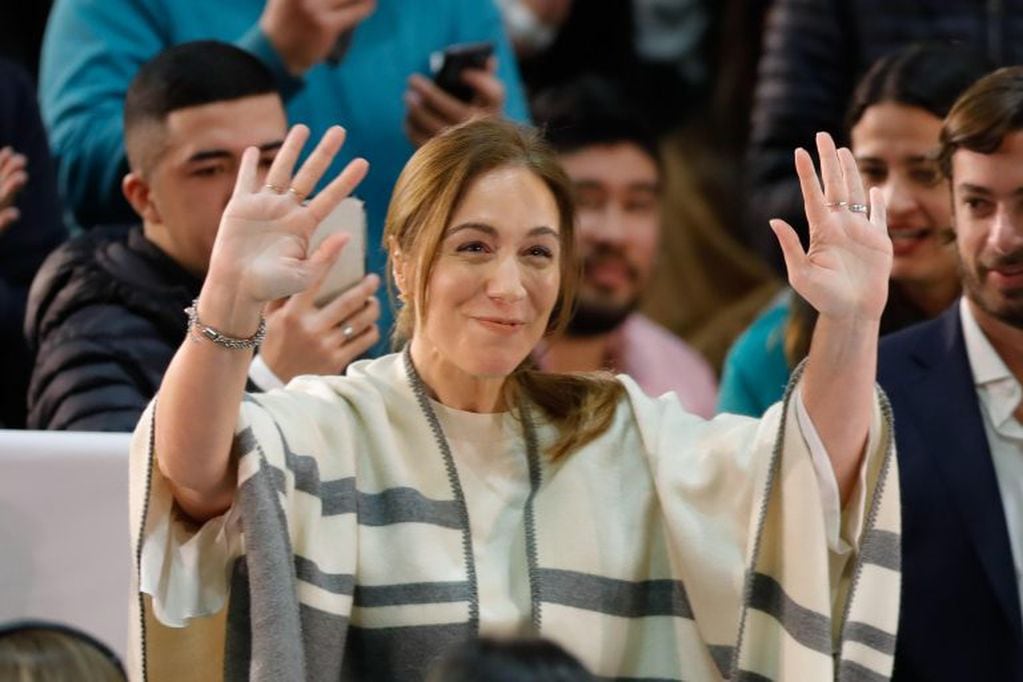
column 350, row 266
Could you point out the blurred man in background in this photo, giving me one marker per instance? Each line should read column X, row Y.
column 612, row 160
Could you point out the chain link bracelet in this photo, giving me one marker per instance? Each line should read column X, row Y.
column 219, row 338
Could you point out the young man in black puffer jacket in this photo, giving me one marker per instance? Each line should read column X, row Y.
column 105, row 312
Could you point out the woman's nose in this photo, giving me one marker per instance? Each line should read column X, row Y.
column 505, row 280
column 898, row 199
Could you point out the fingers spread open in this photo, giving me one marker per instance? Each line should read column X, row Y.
column 791, row 249
column 319, row 161
column 245, row 183
column 835, row 190
column 813, row 197
column 279, row 174
column 340, row 187
column 853, row 181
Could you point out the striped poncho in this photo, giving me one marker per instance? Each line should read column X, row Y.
column 669, row 548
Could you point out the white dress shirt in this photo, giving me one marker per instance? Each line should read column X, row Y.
column 262, row 376
column 999, row 394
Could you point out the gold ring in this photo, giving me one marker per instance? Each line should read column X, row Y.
column 276, row 189
column 299, row 196
column 837, row 204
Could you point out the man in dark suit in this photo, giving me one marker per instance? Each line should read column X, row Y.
column 954, row 384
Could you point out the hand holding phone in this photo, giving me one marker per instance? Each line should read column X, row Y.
column 448, row 65
column 350, row 217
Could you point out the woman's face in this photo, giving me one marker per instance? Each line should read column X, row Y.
column 894, row 146
column 496, row 275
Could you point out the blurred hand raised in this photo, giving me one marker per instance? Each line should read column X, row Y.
column 13, row 177
column 304, row 32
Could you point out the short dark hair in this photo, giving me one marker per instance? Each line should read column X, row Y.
column 591, row 111
column 984, row 115
column 930, row 76
column 189, row 75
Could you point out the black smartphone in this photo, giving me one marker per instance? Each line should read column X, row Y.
column 448, row 65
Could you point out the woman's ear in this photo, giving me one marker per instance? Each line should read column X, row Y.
column 398, row 268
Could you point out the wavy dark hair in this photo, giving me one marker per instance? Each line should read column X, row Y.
column 929, row 76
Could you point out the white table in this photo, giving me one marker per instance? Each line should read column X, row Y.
column 65, row 550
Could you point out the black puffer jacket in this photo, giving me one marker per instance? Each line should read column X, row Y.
column 814, row 53
column 104, row 319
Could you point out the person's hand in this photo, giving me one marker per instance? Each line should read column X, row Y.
column 13, row 177
column 429, row 110
column 844, row 273
column 304, row 339
column 304, row 32
column 550, row 12
column 260, row 253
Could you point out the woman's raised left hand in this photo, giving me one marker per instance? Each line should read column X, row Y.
column 844, row 273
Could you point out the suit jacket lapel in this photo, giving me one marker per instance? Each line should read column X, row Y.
column 953, row 431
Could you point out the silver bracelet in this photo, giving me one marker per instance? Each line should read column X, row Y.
column 222, row 339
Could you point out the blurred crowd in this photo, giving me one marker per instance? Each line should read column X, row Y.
column 122, row 125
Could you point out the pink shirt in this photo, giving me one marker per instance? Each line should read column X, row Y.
column 660, row 362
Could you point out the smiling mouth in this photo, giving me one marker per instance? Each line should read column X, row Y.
column 1009, row 271
column 500, row 324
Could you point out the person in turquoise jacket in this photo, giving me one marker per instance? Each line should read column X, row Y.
column 756, row 370
column 362, row 63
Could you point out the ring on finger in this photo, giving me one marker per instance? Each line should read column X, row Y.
column 837, row 204
column 299, row 195
column 858, row 208
column 276, row 189
column 348, row 331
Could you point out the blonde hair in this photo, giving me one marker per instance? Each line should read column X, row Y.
column 43, row 653
column 425, row 197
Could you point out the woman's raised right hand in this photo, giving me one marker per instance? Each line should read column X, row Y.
column 261, row 250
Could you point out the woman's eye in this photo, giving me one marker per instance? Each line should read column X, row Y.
column 926, row 176
column 873, row 176
column 472, row 247
column 540, row 252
